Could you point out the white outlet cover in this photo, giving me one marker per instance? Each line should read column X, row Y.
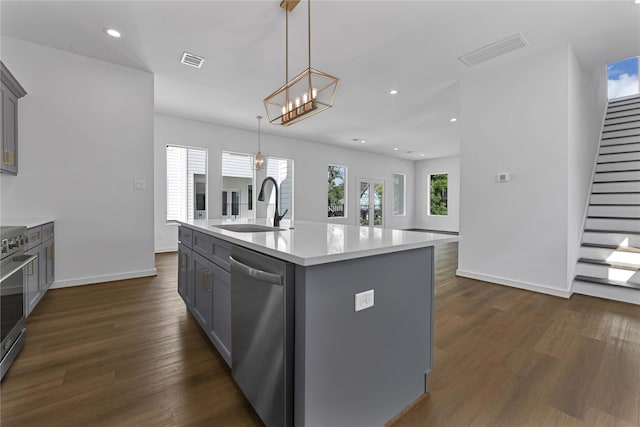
column 503, row 177
column 364, row 300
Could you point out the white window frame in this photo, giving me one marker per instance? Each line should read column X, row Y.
column 429, row 194
column 206, row 170
column 346, row 193
column 404, row 194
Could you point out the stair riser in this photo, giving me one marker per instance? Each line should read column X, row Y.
column 618, row 176
column 619, row 133
column 604, row 272
column 615, row 187
column 615, row 199
column 617, row 166
column 614, row 121
column 623, row 140
column 610, row 255
column 622, row 126
column 629, row 112
column 625, row 106
column 617, row 239
column 618, row 157
column 619, row 148
column 632, row 225
column 616, row 211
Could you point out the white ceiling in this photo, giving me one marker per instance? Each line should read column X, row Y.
column 372, row 46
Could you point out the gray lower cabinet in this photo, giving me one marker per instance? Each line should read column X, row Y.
column 204, row 283
column 185, row 276
column 11, row 91
column 41, row 272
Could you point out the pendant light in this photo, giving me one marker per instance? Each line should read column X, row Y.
column 260, row 160
column 307, row 94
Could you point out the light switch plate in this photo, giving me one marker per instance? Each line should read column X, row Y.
column 139, row 184
column 364, row 300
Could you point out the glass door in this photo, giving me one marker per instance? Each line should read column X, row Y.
column 371, row 203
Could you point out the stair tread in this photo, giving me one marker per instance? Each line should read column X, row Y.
column 617, row 144
column 619, row 152
column 622, row 130
column 619, row 265
column 597, row 230
column 618, row 171
column 615, row 192
column 616, row 181
column 618, row 161
column 632, row 249
column 614, row 204
column 613, row 217
column 601, row 281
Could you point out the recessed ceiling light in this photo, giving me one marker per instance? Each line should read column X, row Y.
column 113, row 32
column 393, row 92
column 395, row 149
column 421, row 154
column 362, row 141
column 453, row 119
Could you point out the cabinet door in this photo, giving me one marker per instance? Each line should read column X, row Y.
column 33, row 283
column 9, row 132
column 47, row 265
column 202, row 284
column 185, row 276
column 221, row 312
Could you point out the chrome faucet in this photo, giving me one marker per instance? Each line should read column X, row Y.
column 276, row 216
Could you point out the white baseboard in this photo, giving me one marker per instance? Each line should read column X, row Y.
column 164, row 250
column 100, row 279
column 516, row 284
column 615, row 293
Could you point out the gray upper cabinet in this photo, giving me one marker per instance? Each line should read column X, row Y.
column 11, row 92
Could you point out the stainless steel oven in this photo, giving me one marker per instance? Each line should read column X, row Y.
column 13, row 264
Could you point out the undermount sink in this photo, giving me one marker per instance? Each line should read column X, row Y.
column 247, row 228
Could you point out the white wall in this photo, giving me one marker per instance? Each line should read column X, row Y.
column 86, row 132
column 424, row 168
column 587, row 103
column 514, row 119
column 310, row 168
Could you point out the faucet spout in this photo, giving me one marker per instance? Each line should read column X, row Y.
column 276, row 216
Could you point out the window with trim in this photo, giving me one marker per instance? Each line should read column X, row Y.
column 337, row 191
column 438, row 193
column 399, row 193
column 186, row 183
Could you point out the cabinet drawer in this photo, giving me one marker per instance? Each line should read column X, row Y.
column 213, row 249
column 47, row 231
column 35, row 237
column 220, row 252
column 185, row 236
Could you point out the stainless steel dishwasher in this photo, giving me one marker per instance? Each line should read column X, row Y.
column 262, row 333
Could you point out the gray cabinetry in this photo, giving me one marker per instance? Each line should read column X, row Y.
column 185, row 276
column 11, row 92
column 41, row 272
column 204, row 284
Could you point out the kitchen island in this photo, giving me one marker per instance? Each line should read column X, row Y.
column 354, row 361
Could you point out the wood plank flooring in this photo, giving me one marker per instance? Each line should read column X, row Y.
column 128, row 354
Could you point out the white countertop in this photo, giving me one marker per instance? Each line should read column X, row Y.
column 312, row 243
column 28, row 222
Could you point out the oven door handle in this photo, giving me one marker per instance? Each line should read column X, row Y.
column 17, row 263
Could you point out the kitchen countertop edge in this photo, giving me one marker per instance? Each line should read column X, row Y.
column 243, row 239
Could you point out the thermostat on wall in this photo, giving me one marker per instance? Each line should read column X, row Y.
column 503, row 177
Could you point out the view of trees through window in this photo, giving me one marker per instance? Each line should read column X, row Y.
column 336, row 191
column 438, row 188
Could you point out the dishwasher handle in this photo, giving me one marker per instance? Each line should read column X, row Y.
column 263, row 276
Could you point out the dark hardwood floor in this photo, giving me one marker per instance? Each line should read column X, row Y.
column 128, row 354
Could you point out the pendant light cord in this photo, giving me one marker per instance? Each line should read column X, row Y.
column 309, row 28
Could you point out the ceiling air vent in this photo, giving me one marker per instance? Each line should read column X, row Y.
column 493, row 50
column 192, row 60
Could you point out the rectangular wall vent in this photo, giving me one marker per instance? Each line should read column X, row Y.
column 192, row 60
column 494, row 50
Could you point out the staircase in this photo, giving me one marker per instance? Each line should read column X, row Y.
column 610, row 251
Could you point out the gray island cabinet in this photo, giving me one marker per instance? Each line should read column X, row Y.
column 350, row 367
